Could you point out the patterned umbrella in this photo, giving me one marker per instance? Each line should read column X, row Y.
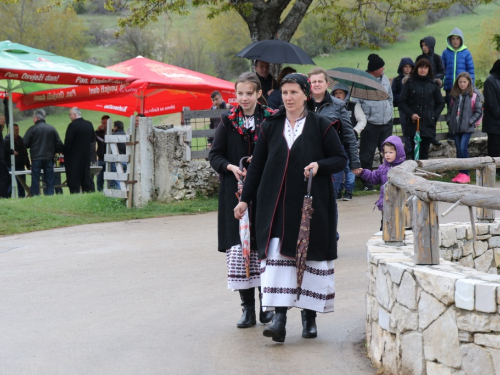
column 244, row 224
column 303, row 240
column 417, row 140
column 363, row 85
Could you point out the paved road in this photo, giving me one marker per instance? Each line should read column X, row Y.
column 149, row 297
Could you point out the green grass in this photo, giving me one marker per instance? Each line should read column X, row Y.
column 470, row 24
column 48, row 212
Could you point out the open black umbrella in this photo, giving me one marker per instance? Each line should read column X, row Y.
column 303, row 239
column 275, row 51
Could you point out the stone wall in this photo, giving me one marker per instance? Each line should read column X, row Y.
column 442, row 319
column 457, row 245
column 175, row 178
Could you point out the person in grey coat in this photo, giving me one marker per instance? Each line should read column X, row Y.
column 379, row 116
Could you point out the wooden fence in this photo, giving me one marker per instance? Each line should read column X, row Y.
column 200, row 132
column 407, row 193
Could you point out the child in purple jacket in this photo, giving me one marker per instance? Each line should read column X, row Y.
column 394, row 155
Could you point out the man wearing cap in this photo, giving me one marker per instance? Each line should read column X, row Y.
column 378, row 116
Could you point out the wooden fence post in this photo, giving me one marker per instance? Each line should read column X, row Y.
column 485, row 177
column 425, row 232
column 393, row 220
column 408, row 212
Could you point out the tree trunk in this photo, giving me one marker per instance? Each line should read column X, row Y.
column 264, row 20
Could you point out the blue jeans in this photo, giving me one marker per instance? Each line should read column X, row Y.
column 338, row 179
column 20, row 190
column 100, row 176
column 462, row 143
column 48, row 170
column 116, row 184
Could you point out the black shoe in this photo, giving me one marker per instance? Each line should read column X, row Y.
column 248, row 319
column 264, row 316
column 277, row 329
column 338, row 195
column 369, row 187
column 309, row 329
column 436, row 143
column 347, row 196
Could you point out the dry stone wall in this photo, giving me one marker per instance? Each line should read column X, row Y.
column 433, row 320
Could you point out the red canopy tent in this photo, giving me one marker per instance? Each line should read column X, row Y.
column 160, row 89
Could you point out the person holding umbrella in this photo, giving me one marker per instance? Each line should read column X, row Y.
column 421, row 101
column 267, row 81
column 293, row 143
column 234, row 139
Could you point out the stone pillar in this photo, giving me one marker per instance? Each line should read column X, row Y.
column 144, row 162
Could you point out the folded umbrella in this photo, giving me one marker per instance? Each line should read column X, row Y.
column 303, row 239
column 363, row 85
column 244, row 224
column 417, row 139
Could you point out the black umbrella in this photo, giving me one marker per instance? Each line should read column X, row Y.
column 276, row 51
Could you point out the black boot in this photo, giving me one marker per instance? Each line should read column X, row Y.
column 309, row 329
column 267, row 316
column 277, row 329
column 248, row 318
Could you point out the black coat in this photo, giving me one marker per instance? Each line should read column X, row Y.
column 22, row 159
column 79, row 137
column 275, row 169
column 421, row 96
column 229, row 147
column 491, row 119
column 434, row 59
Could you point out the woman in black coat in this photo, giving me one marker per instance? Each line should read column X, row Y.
column 292, row 142
column 234, row 139
column 491, row 120
column 422, row 100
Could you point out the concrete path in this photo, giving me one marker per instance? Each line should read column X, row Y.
column 149, row 297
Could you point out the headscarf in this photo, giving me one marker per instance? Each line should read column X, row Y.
column 305, row 85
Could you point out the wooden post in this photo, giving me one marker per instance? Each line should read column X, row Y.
column 393, row 220
column 486, row 177
column 425, row 232
column 131, row 152
column 109, row 131
column 408, row 212
column 144, row 163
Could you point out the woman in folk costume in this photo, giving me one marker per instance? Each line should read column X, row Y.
column 291, row 142
column 234, row 139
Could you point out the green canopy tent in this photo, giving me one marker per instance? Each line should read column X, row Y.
column 25, row 70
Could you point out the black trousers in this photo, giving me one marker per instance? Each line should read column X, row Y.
column 424, row 148
column 494, row 146
column 4, row 181
column 372, row 137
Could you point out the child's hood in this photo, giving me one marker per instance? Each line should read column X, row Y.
column 343, row 87
column 400, row 150
column 431, row 43
column 405, row 61
column 456, row 32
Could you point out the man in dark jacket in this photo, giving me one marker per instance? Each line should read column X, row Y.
column 5, row 153
column 43, row 141
column 22, row 160
column 79, row 137
column 267, row 82
column 491, row 119
column 101, row 151
column 217, row 103
column 427, row 45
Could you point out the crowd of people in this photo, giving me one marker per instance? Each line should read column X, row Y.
column 292, row 127
column 82, row 147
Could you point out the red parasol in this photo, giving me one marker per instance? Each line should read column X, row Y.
column 160, row 89
column 303, row 239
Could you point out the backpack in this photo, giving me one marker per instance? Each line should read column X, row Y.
column 473, row 104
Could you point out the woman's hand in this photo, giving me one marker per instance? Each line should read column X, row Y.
column 314, row 166
column 415, row 117
column 236, row 171
column 239, row 210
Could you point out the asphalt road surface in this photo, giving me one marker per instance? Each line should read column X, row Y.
column 150, row 297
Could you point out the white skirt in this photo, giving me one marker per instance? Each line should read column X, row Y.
column 236, row 272
column 279, row 282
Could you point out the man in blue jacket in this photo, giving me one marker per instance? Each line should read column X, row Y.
column 456, row 59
